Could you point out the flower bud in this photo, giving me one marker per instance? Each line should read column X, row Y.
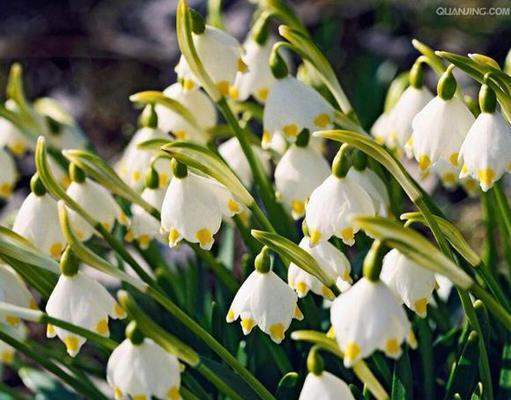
column 148, row 118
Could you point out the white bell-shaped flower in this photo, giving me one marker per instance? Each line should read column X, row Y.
column 300, row 170
column 96, row 201
column 410, row 282
column 193, row 208
column 8, row 174
column 258, row 79
column 13, row 291
column 81, row 301
column 368, row 317
column 383, row 131
column 333, row 262
column 18, row 332
column 36, row 218
column 486, row 151
column 293, row 106
column 59, row 173
column 334, row 203
column 233, row 155
column 140, row 368
column 265, row 300
column 441, row 126
column 221, row 56
column 143, row 226
column 12, row 138
column 201, row 108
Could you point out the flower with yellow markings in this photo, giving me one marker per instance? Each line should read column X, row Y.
column 13, row 139
column 8, row 174
column 13, row 291
column 324, row 386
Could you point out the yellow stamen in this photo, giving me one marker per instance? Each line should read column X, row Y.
column 233, row 206
column 230, row 315
column 453, row 159
column 12, row 320
column 5, row 189
column 290, row 130
column 421, row 306
column 347, row 234
column 135, row 175
column 411, row 339
column 233, row 92
column 486, row 176
column 351, row 351
column 301, row 288
column 297, row 207
column 424, row 162
column 143, row 241
column 173, row 236
column 223, row 87
column 71, row 343
column 262, row 94
column 315, row 237
column 247, row 324
column 117, row 393
column 188, row 84
column 277, row 332
column 55, row 250
column 322, row 120
column 6, row 357
column 173, row 393
column 65, row 181
column 241, row 66
column 392, row 346
column 203, row 236
column 346, row 276
column 102, row 327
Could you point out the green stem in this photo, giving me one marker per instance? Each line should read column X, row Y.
column 219, row 383
column 187, row 394
column 207, row 338
column 426, row 353
column 12, row 393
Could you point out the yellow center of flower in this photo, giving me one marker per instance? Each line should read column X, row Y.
column 315, row 237
column 486, row 176
column 392, row 346
column 351, row 351
column 421, row 305
column 135, row 175
column 118, row 310
column 301, row 288
column 5, row 189
column 144, row 240
column 180, row 134
column 223, row 87
column 50, row 330
column 241, row 66
column 71, row 343
column 6, row 356
column 203, row 236
column 173, row 393
column 117, row 393
column 55, row 250
column 18, row 148
column 247, row 324
column 322, row 120
column 449, row 178
column 347, row 234
column 230, row 315
column 290, row 130
column 173, row 236
column 188, row 84
column 233, row 206
column 277, row 332
column 453, row 159
column 424, row 162
column 297, row 207
column 12, row 320
column 262, row 94
column 102, row 327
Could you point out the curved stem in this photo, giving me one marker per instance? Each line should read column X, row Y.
column 218, row 382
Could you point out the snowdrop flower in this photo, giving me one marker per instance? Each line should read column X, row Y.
column 411, row 102
column 13, row 291
column 370, row 182
column 95, row 200
column 447, row 173
column 265, row 300
column 6, row 351
column 156, row 373
column 12, row 138
column 333, row 204
column 298, row 173
column 368, row 316
column 198, row 103
column 486, row 151
column 135, row 162
column 36, row 218
column 233, row 155
column 292, row 105
column 410, row 282
column 220, row 54
column 193, row 207
column 8, row 174
column 383, row 131
column 320, row 384
column 59, row 172
column 440, row 128
column 81, row 301
column 333, row 262
column 144, row 227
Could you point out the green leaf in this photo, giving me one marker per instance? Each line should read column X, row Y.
column 287, row 386
column 44, row 386
column 465, row 370
column 402, row 380
column 505, row 373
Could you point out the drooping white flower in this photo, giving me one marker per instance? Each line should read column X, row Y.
column 383, row 131
column 258, row 79
column 333, row 204
column 368, row 317
column 143, row 369
column 374, row 187
column 409, row 281
column 59, row 173
column 333, row 262
column 411, row 102
column 199, row 105
column 441, row 126
column 300, row 170
column 221, row 56
column 265, row 300
column 486, row 151
column 81, row 301
column 98, row 202
column 324, row 386
column 18, row 332
column 233, row 155
column 447, row 173
column 13, row 291
column 35, row 221
column 135, row 161
column 8, row 174
column 12, row 138
column 193, row 208
column 293, row 106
